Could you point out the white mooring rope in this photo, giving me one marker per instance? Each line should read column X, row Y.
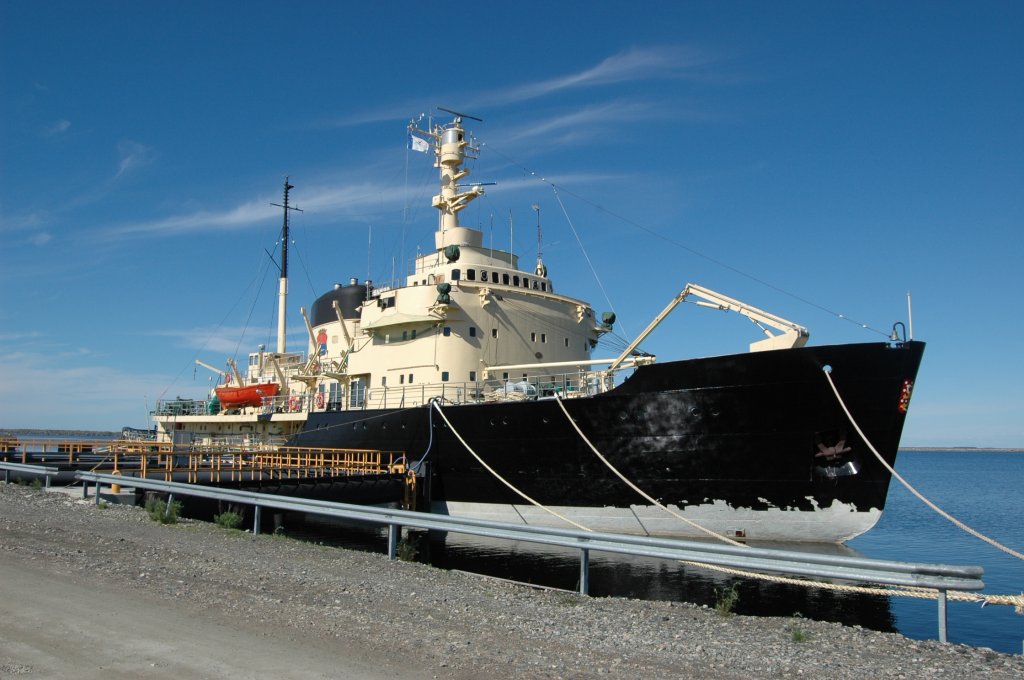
column 499, row 477
column 640, row 491
column 911, row 489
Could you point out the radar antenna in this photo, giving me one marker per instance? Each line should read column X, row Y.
column 460, row 115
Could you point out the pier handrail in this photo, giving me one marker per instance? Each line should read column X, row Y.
column 28, row 469
column 859, row 569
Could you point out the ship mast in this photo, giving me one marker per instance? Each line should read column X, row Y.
column 282, row 286
column 451, row 148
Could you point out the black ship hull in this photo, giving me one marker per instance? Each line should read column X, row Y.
column 751, row 445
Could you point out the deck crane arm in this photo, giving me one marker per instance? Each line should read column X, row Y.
column 790, row 334
column 220, row 372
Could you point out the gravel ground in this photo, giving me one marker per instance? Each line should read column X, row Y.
column 195, row 599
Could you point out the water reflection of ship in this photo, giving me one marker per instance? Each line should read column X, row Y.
column 619, row 575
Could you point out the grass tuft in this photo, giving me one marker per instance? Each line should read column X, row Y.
column 228, row 520
column 159, row 511
column 727, row 600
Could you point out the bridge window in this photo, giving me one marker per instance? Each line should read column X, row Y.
column 494, row 332
column 447, row 331
column 456, row 274
column 472, row 376
column 533, row 337
column 471, row 275
column 444, row 376
column 472, row 331
column 515, row 281
column 483, row 275
column 504, row 279
column 358, row 395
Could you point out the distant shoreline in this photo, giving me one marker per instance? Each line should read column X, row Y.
column 960, row 449
column 39, row 432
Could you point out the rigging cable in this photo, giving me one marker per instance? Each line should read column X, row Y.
column 584, row 250
column 213, row 333
column 689, row 249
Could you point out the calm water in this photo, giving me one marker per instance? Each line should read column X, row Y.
column 981, row 489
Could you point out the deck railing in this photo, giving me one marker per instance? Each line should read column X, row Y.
column 359, row 396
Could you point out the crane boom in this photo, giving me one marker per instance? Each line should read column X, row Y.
column 790, row 334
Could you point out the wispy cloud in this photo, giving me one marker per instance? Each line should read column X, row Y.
column 670, row 62
column 58, row 128
column 90, row 395
column 133, row 156
column 19, row 336
column 667, row 62
column 581, row 124
column 225, row 341
column 344, row 199
column 27, row 228
column 40, row 238
column 232, row 218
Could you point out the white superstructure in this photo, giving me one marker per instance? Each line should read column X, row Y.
column 466, row 325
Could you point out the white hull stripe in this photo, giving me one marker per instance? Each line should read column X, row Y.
column 834, row 524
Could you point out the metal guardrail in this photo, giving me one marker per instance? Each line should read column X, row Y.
column 38, row 470
column 858, row 569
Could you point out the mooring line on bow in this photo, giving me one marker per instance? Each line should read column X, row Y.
column 977, row 534
column 498, row 476
column 640, row 491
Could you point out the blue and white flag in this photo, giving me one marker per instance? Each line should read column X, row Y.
column 417, row 144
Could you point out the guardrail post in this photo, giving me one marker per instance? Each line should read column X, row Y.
column 584, row 571
column 98, row 494
column 167, row 508
column 85, row 489
column 393, row 531
column 256, row 512
column 942, row 615
column 47, row 481
column 7, row 476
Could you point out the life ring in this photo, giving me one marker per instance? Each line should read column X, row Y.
column 294, row 403
column 320, row 400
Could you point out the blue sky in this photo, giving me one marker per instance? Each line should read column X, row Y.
column 814, row 159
